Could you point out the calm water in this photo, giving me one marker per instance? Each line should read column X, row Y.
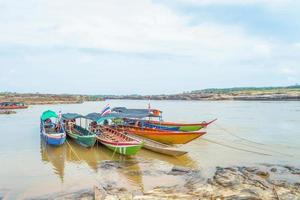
column 246, row 133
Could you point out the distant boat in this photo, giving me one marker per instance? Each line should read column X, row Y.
column 159, row 147
column 118, row 142
column 81, row 135
column 51, row 128
column 13, row 105
column 163, row 136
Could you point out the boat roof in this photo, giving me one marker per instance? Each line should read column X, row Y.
column 114, row 115
column 48, row 114
column 117, row 113
column 140, row 113
column 69, row 116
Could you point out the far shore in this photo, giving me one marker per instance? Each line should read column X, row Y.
column 291, row 93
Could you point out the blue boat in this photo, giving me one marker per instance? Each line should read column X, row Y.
column 155, row 126
column 52, row 129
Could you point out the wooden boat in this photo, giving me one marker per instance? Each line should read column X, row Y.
column 163, row 136
column 12, row 105
column 159, row 147
column 179, row 126
column 52, row 132
column 82, row 136
column 118, row 142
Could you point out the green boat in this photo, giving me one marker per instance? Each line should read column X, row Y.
column 180, row 126
column 119, row 142
column 81, row 135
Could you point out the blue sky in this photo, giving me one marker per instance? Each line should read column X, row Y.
column 147, row 47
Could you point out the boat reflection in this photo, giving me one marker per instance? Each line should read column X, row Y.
column 56, row 156
column 72, row 153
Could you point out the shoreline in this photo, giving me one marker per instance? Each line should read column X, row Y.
column 262, row 181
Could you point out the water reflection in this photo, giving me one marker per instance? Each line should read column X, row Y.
column 102, row 161
column 56, row 156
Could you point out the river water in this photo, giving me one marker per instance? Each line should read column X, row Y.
column 246, row 133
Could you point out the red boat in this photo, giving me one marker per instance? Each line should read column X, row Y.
column 13, row 105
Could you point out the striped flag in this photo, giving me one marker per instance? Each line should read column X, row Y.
column 59, row 115
column 106, row 110
column 149, row 106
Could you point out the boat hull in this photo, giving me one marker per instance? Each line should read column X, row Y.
column 126, row 150
column 119, row 142
column 13, row 107
column 159, row 147
column 87, row 141
column 54, row 140
column 181, row 126
column 166, row 137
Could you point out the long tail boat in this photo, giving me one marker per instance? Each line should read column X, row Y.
column 52, row 132
column 179, row 126
column 139, row 114
column 159, row 147
column 82, row 136
column 163, row 136
column 119, row 142
column 13, row 105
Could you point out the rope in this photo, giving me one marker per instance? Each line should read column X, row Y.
column 90, row 172
column 236, row 148
column 225, row 130
column 250, row 141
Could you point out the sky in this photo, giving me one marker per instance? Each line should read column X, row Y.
column 147, row 46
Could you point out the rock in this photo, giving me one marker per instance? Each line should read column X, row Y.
column 110, row 164
column 251, row 191
column 263, row 174
column 273, row 169
column 226, row 177
column 99, row 193
column 293, row 170
column 251, row 169
column 279, row 183
column 111, row 197
column 241, row 197
column 177, row 170
column 297, row 184
column 7, row 112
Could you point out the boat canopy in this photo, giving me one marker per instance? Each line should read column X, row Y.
column 98, row 118
column 48, row 114
column 137, row 113
column 117, row 113
column 70, row 116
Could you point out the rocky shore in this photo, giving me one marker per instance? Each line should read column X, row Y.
column 41, row 99
column 235, row 183
column 7, row 112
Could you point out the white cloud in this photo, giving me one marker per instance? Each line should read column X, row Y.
column 138, row 26
column 242, row 2
column 209, row 53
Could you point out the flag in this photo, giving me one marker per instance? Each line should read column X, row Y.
column 106, row 110
column 149, row 106
column 59, row 115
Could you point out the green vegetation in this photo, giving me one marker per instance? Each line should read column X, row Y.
column 248, row 89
